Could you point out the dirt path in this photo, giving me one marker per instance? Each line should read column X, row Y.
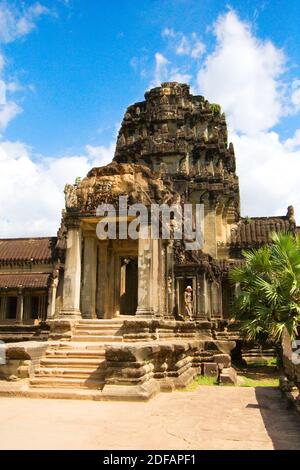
column 209, row 418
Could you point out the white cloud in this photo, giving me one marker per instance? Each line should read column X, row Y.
column 8, row 111
column 198, row 47
column 294, row 142
column 165, row 72
column 183, row 47
column 183, row 44
column 15, row 23
column 247, row 76
column 161, row 69
column 168, row 33
column 268, row 173
column 242, row 74
column 31, row 191
column 295, row 97
column 175, row 75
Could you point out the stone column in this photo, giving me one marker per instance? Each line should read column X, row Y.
column 72, row 276
column 3, row 304
column 202, row 297
column 20, row 306
column 169, row 272
column 102, row 287
column 88, row 293
column 110, row 312
column 215, row 299
column 210, row 233
column 155, row 275
column 42, row 307
column 52, row 298
column 208, row 300
column 145, row 291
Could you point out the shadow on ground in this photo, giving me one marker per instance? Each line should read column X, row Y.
column 282, row 422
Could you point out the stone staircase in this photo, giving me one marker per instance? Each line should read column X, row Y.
column 98, row 331
column 79, row 363
column 226, row 335
column 258, row 354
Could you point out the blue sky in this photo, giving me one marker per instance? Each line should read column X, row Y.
column 70, row 68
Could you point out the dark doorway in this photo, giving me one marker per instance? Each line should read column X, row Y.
column 34, row 307
column 128, row 285
column 11, row 312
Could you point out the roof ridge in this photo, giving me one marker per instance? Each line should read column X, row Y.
column 27, row 238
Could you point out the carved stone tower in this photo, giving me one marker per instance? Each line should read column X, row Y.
column 184, row 138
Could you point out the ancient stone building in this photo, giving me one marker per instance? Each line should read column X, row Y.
column 171, row 148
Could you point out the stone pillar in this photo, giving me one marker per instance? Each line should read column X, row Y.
column 169, row 272
column 215, row 300
column 156, row 281
column 210, row 233
column 72, row 276
column 110, row 312
column 52, row 298
column 202, row 297
column 20, row 306
column 3, row 304
column 208, row 300
column 42, row 307
column 102, row 287
column 88, row 292
column 145, row 291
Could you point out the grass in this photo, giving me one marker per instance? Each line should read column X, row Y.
column 248, row 382
column 200, row 380
column 253, row 375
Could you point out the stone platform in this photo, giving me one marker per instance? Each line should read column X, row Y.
column 115, row 359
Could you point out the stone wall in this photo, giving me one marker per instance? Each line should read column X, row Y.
column 290, row 382
column 140, row 371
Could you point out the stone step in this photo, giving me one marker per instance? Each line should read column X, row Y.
column 65, row 382
column 63, row 372
column 76, row 352
column 74, row 345
column 75, row 363
column 68, row 393
column 100, row 338
column 96, row 331
column 111, row 322
column 103, row 328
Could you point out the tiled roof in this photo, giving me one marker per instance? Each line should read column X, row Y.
column 26, row 280
column 258, row 230
column 27, row 250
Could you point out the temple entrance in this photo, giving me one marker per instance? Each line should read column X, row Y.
column 128, row 285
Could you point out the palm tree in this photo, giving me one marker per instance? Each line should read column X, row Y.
column 269, row 297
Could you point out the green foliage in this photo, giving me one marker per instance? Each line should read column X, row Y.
column 199, row 380
column 269, row 298
column 270, row 382
column 204, row 380
column 216, row 109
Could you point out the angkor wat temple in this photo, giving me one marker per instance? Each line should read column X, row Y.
column 109, row 314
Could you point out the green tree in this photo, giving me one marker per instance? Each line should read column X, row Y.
column 269, row 294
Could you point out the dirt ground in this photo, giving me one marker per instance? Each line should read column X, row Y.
column 212, row 417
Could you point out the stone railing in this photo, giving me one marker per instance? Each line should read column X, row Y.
column 21, row 359
column 290, row 383
column 161, row 329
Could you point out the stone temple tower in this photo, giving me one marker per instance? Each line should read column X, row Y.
column 184, row 137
